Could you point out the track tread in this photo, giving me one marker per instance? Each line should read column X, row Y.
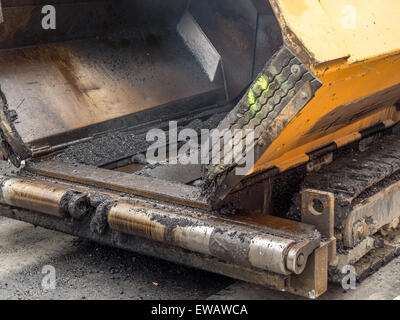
column 352, row 174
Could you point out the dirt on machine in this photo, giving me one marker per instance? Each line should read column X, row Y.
column 307, row 92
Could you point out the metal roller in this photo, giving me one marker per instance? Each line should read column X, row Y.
column 233, row 243
column 55, row 201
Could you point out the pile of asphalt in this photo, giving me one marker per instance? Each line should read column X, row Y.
column 114, row 146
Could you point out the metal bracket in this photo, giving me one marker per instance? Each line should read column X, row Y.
column 299, row 254
column 317, row 164
column 313, row 282
column 318, row 209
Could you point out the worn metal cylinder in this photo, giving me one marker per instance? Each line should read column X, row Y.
column 36, row 197
column 233, row 243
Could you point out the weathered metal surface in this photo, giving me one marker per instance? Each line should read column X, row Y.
column 233, row 31
column 108, row 81
column 267, row 201
column 372, row 214
column 317, row 164
column 226, row 240
column 126, row 66
column 200, row 46
column 49, row 199
column 126, row 218
column 123, row 182
column 313, row 282
column 151, row 248
column 239, row 243
column 318, row 209
column 355, row 254
column 356, row 110
column 175, row 172
column 278, row 226
column 247, row 201
column 297, row 257
column 377, row 258
column 291, row 283
column 367, row 257
column 97, row 86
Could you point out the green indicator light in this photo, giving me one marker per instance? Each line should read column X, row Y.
column 251, row 97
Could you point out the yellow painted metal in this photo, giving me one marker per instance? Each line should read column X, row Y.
column 354, row 49
column 353, row 97
column 328, row 30
column 367, row 28
column 304, row 23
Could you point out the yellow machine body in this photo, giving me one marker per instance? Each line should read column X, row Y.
column 354, row 50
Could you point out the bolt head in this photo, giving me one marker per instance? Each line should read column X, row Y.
column 304, row 95
column 295, row 69
column 301, row 260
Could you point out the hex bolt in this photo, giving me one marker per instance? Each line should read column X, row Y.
column 300, row 260
column 295, row 69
